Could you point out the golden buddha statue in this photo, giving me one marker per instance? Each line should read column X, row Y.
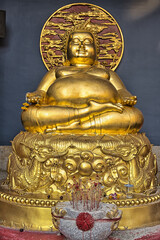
column 82, row 97
column 80, row 123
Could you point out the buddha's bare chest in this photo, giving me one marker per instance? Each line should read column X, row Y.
column 80, row 87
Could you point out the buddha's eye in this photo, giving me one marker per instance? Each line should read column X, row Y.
column 88, row 41
column 75, row 41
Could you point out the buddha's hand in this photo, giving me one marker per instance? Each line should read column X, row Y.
column 107, row 107
column 38, row 97
column 130, row 101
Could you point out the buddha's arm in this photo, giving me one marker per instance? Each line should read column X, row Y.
column 126, row 96
column 39, row 96
column 47, row 80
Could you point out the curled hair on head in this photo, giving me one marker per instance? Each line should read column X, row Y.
column 82, row 27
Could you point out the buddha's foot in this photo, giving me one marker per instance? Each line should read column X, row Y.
column 106, row 107
column 95, row 108
column 56, row 128
column 73, row 125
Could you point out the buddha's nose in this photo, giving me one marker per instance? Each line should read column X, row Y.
column 81, row 45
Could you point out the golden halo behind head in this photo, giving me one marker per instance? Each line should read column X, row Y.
column 105, row 27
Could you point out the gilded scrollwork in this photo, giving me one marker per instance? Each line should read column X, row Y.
column 48, row 164
column 57, row 213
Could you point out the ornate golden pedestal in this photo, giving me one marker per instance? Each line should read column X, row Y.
column 42, row 167
column 81, row 123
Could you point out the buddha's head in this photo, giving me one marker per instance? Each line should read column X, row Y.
column 81, row 46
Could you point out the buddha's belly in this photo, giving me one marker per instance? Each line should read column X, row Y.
column 80, row 88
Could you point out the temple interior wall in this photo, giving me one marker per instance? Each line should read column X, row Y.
column 21, row 67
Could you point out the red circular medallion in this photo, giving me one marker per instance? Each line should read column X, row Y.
column 84, row 221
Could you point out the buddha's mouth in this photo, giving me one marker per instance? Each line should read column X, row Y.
column 81, row 53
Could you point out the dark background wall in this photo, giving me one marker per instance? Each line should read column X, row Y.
column 21, row 67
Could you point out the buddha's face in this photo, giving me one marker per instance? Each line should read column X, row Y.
column 81, row 48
